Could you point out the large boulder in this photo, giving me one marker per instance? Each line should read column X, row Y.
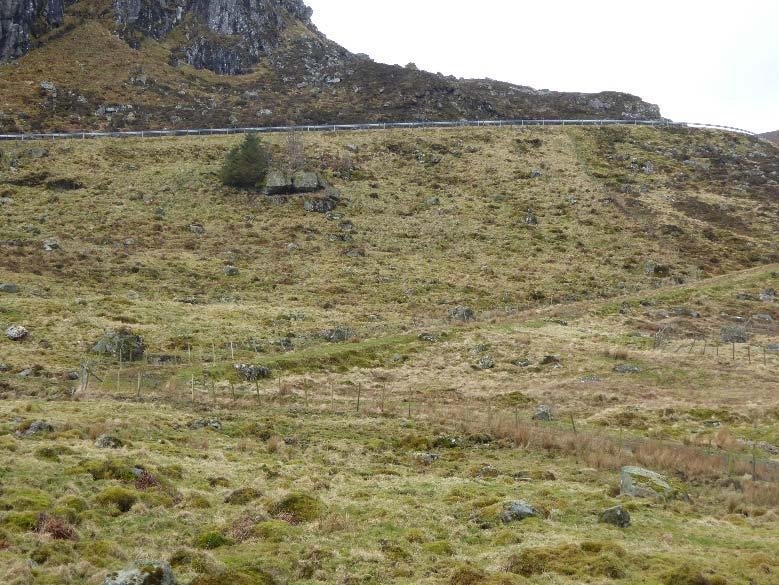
column 517, row 510
column 638, row 482
column 143, row 573
column 305, row 182
column 121, row 344
column 8, row 287
column 34, row 428
column 16, row 332
column 278, row 183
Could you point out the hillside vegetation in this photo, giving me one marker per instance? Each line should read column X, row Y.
column 466, row 278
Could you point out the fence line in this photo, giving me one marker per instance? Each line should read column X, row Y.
column 361, row 126
column 205, row 390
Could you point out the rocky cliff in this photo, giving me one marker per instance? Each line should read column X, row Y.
column 148, row 63
column 21, row 21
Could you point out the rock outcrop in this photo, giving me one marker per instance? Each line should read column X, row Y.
column 302, row 77
column 21, row 21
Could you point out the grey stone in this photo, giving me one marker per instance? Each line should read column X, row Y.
column 4, row 367
column 305, row 182
column 278, row 183
column 627, row 369
column 231, row 271
column 251, row 373
column 616, row 516
column 763, row 318
column 122, row 345
column 16, row 332
column 429, row 337
column 530, row 217
column 543, row 413
column 734, row 334
column 517, row 510
column 51, row 244
column 461, row 314
column 7, row 287
column 206, row 423
column 686, row 312
column 772, row 347
column 338, row 334
column 108, row 442
column 768, row 295
column 550, row 360
column 486, row 363
column 638, row 482
column 197, row 228
column 320, row 205
column 521, row 363
column 35, row 428
column 143, row 573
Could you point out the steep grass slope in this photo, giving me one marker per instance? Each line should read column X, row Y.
column 388, row 457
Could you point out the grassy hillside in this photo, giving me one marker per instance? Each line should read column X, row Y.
column 772, row 136
column 648, row 243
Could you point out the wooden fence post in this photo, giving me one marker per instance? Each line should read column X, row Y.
column 359, row 393
column 138, row 389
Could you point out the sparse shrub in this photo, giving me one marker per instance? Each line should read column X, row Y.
column 467, row 575
column 687, row 575
column 589, row 558
column 243, row 496
column 53, row 553
column 55, row 527
column 440, row 548
column 52, row 453
column 273, row 530
column 197, row 501
column 298, row 508
column 246, row 164
column 106, row 469
column 211, row 540
column 235, row 578
column 117, row 497
column 20, row 521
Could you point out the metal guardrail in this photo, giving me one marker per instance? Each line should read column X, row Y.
column 368, row 126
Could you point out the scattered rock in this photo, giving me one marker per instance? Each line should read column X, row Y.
column 461, row 314
column 763, row 318
column 550, row 360
column 206, row 423
column 627, row 369
column 49, row 88
column 108, row 442
column 231, row 271
column 530, row 217
column 521, row 363
column 320, row 205
column 197, row 228
column 426, row 458
column 768, row 295
column 122, row 345
column 517, row 510
column 686, row 312
column 251, row 373
column 338, row 334
column 543, row 413
column 51, row 244
column 734, row 334
column 7, row 287
column 34, row 428
column 143, row 573
column 429, row 337
column 16, row 332
column 486, row 363
column 616, row 516
column 773, row 347
column 638, row 482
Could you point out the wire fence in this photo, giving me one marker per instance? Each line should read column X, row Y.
column 353, row 127
column 207, row 379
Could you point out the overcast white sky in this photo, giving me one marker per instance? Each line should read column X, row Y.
column 709, row 61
